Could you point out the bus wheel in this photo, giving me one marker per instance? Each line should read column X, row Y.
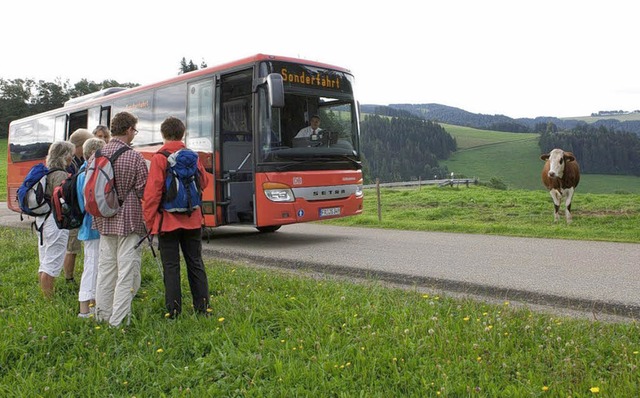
column 270, row 228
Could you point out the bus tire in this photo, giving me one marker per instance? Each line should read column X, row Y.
column 270, row 228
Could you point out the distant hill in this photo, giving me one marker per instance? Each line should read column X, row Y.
column 447, row 114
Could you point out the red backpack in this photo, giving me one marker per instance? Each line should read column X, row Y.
column 100, row 195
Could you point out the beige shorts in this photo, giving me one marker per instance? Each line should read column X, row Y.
column 73, row 244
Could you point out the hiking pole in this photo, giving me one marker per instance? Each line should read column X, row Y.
column 149, row 237
column 154, row 256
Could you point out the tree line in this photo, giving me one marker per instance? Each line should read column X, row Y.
column 20, row 98
column 599, row 150
column 403, row 149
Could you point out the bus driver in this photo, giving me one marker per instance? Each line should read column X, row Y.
column 311, row 130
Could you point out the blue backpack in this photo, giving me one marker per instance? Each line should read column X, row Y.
column 32, row 197
column 182, row 191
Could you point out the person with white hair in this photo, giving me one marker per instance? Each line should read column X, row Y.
column 52, row 247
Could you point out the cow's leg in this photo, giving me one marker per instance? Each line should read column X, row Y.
column 557, row 197
column 567, row 204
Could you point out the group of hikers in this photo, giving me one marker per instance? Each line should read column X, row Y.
column 148, row 201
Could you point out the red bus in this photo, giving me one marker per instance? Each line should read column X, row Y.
column 242, row 118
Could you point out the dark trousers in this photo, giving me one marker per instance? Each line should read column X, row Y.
column 190, row 241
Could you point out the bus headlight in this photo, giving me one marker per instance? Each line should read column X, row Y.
column 359, row 190
column 277, row 192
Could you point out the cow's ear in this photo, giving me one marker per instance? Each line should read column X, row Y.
column 568, row 156
column 545, row 156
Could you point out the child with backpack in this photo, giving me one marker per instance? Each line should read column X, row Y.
column 171, row 206
column 89, row 236
column 53, row 245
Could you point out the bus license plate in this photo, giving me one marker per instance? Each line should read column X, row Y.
column 330, row 211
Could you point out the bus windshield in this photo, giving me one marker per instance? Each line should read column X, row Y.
column 289, row 139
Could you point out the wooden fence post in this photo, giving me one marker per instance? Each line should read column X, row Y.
column 379, row 205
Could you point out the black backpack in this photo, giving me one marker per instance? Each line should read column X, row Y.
column 65, row 204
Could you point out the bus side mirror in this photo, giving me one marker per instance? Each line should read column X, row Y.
column 276, row 90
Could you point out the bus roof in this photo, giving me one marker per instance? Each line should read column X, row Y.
column 86, row 100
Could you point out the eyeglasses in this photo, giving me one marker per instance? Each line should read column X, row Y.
column 135, row 132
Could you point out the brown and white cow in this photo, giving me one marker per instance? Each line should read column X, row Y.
column 561, row 175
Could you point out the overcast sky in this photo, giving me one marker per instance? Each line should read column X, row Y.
column 522, row 58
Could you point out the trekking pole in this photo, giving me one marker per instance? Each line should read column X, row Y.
column 154, row 255
column 149, row 237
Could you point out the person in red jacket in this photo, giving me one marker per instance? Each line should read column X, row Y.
column 174, row 230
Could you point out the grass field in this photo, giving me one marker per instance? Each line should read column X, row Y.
column 515, row 159
column 482, row 210
column 273, row 334
column 593, row 119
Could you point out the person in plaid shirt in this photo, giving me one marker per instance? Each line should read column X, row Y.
column 120, row 255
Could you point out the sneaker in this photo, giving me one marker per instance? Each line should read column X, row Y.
column 86, row 315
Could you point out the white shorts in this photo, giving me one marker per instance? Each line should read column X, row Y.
column 53, row 248
column 90, row 271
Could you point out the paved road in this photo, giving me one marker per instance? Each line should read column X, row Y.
column 598, row 277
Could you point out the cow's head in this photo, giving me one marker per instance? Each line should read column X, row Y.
column 557, row 159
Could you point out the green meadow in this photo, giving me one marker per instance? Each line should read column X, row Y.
column 483, row 210
column 276, row 334
column 632, row 116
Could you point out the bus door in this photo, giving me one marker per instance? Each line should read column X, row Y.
column 77, row 120
column 98, row 115
column 200, row 138
column 60, row 130
column 236, row 147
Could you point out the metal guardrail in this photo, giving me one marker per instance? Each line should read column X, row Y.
column 441, row 183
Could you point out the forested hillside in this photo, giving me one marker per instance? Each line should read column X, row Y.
column 402, row 149
column 459, row 117
column 599, row 150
